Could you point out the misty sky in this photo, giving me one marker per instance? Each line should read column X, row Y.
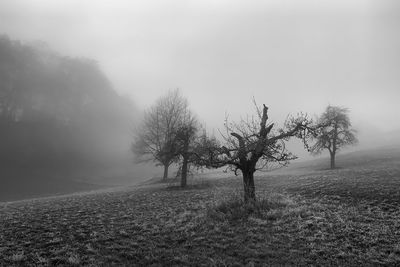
column 291, row 55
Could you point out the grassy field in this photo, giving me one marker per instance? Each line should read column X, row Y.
column 22, row 182
column 306, row 215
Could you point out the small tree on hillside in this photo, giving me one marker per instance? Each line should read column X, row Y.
column 334, row 132
column 252, row 145
column 155, row 138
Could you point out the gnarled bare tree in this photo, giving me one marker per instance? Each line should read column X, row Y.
column 334, row 132
column 156, row 137
column 253, row 145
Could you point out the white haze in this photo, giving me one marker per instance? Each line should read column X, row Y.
column 291, row 55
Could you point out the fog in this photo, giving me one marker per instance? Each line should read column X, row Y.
column 291, row 55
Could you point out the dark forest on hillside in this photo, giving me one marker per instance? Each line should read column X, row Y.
column 57, row 113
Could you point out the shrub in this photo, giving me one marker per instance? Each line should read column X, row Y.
column 235, row 209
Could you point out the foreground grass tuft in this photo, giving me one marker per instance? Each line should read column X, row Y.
column 235, row 209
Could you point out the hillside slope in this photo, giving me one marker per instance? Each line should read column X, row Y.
column 349, row 216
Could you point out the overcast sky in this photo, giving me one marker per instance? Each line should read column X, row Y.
column 291, row 55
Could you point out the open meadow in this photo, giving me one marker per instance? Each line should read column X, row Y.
column 306, row 215
column 199, row 133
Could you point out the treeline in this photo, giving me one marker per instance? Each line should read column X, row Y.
column 170, row 133
column 56, row 111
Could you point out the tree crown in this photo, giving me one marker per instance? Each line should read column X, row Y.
column 253, row 144
column 334, row 130
column 155, row 138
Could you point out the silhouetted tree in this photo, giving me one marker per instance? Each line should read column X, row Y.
column 334, row 132
column 186, row 143
column 252, row 145
column 156, row 137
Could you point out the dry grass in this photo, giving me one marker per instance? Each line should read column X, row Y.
column 349, row 216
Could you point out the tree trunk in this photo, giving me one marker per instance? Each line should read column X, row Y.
column 333, row 160
column 185, row 156
column 333, row 151
column 184, row 172
column 165, row 172
column 249, row 188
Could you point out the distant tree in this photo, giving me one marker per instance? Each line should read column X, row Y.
column 186, row 138
column 252, row 145
column 156, row 137
column 334, row 132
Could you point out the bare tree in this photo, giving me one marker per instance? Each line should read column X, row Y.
column 334, row 132
column 155, row 138
column 186, row 143
column 253, row 145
